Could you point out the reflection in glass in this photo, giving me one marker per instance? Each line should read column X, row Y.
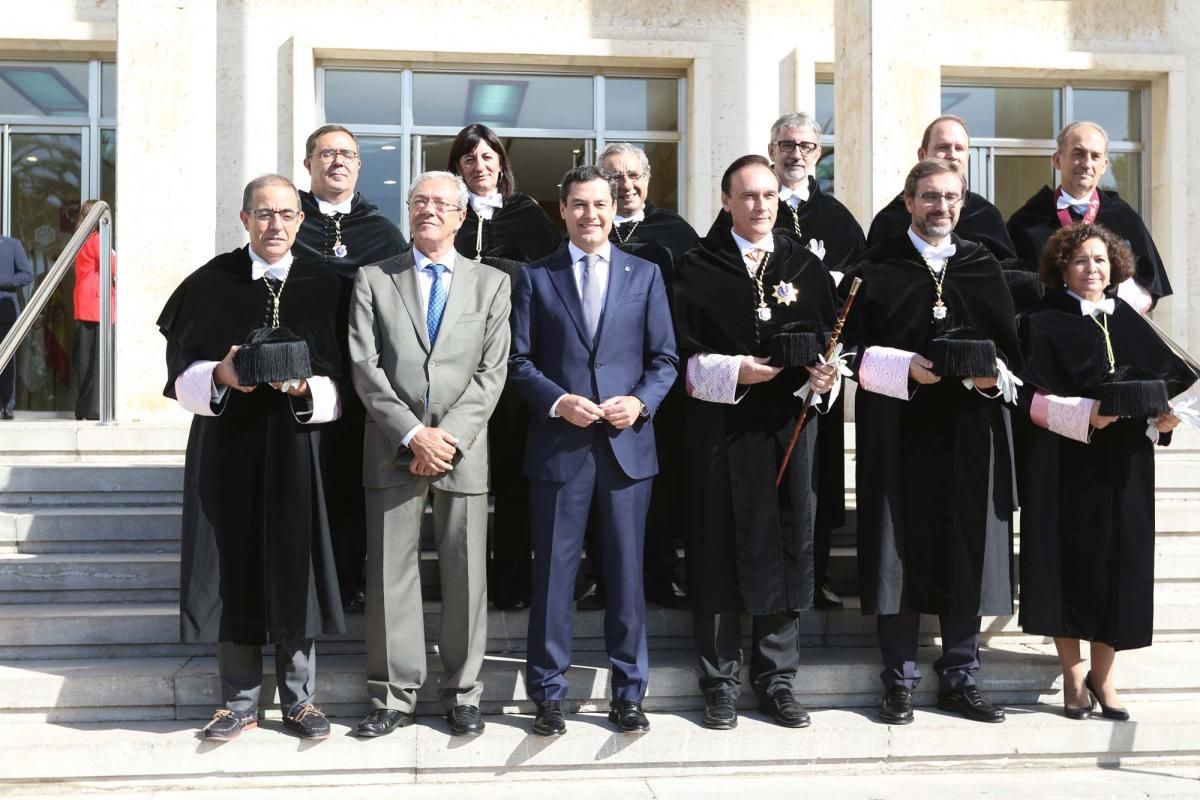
column 824, row 106
column 108, row 89
column 641, row 104
column 379, row 176
column 1019, row 178
column 1125, row 176
column 825, row 170
column 108, row 170
column 1005, row 112
column 503, row 101
column 44, row 89
column 1118, row 111
column 664, row 173
column 366, row 97
column 46, row 174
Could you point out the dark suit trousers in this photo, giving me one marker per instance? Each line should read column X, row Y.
column 241, row 671
column 560, row 513
column 8, row 384
column 774, row 655
column 898, row 634
column 86, row 352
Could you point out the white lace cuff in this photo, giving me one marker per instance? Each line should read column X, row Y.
column 884, row 370
column 1132, row 293
column 326, row 401
column 713, row 377
column 1066, row 416
column 195, row 390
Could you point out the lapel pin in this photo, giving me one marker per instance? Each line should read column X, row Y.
column 627, row 269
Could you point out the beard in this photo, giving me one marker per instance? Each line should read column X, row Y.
column 935, row 229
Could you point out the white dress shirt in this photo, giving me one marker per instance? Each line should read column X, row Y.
column 794, row 197
column 744, row 246
column 636, row 216
column 935, row 255
column 329, row 209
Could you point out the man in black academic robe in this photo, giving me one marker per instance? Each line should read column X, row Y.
column 662, row 237
column 934, row 461
column 749, row 542
column 343, row 231
column 978, row 220
column 256, row 560
column 1082, row 160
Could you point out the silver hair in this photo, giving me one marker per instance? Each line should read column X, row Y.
column 625, row 149
column 263, row 181
column 464, row 195
column 1083, row 123
column 800, row 119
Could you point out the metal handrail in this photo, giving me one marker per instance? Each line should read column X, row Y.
column 100, row 216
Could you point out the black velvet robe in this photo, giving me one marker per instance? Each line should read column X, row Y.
column 1036, row 221
column 518, row 231
column 978, row 221
column 821, row 217
column 1087, row 511
column 665, row 228
column 749, row 544
column 369, row 237
column 256, row 563
column 936, row 486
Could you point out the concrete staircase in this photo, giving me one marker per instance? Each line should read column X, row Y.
column 92, row 671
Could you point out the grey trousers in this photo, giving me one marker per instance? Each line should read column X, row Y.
column 241, row 671
column 395, row 624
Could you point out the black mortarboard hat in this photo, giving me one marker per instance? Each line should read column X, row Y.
column 1024, row 283
column 963, row 353
column 797, row 344
column 271, row 354
column 1133, row 392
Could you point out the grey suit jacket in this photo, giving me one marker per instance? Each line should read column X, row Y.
column 402, row 382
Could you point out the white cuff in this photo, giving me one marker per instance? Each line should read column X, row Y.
column 1066, row 416
column 553, row 411
column 415, row 429
column 1132, row 293
column 713, row 377
column 195, row 390
column 326, row 401
column 884, row 370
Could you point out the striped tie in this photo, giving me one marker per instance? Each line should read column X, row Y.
column 437, row 302
column 593, row 301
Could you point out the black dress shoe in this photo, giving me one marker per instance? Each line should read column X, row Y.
column 720, row 709
column 226, row 724
column 783, row 707
column 628, row 716
column 668, row 596
column 6, row 413
column 825, row 598
column 354, row 601
column 968, row 702
column 383, row 721
column 896, row 708
column 550, row 720
column 511, row 604
column 592, row 598
column 1108, row 712
column 307, row 722
column 1078, row 713
column 465, row 720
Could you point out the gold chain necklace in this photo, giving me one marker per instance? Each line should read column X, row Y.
column 625, row 239
column 339, row 249
column 939, row 307
column 795, row 220
column 1108, row 347
column 764, row 311
column 275, row 295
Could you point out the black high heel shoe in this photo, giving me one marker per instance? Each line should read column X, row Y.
column 1078, row 713
column 1118, row 714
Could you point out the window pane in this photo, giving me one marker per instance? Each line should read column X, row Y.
column 1118, row 111
column 1005, row 112
column 362, row 96
column 825, row 172
column 664, row 173
column 1018, row 178
column 641, row 104
column 379, row 176
column 44, row 89
column 503, row 101
column 108, row 170
column 108, row 89
column 1125, row 175
column 824, row 106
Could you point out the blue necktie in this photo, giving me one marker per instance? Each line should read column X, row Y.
column 590, row 291
column 437, row 302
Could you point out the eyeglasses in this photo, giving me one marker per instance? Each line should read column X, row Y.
column 633, row 176
column 286, row 215
column 934, row 198
column 327, row 156
column 420, row 203
column 806, row 148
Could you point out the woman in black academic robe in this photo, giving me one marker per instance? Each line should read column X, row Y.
column 517, row 233
column 1087, row 518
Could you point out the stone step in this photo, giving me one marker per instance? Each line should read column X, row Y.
column 91, row 529
column 830, row 677
column 105, row 630
column 124, row 484
column 841, row 741
column 66, row 441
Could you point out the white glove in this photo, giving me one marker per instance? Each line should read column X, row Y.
column 840, row 361
column 1006, row 383
column 817, row 248
column 294, row 383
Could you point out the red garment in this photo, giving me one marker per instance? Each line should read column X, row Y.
column 87, row 281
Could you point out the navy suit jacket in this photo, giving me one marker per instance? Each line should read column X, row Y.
column 633, row 354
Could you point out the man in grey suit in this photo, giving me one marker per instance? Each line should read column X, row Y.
column 429, row 341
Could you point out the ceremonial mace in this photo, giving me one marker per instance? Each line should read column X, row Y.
column 833, row 342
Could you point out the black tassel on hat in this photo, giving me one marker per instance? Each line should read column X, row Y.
column 271, row 354
column 961, row 353
column 1133, row 392
column 797, row 344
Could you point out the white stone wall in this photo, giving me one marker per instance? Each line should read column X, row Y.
column 215, row 92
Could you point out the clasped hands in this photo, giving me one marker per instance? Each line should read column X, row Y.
column 620, row 412
column 433, row 451
column 225, row 375
column 755, row 369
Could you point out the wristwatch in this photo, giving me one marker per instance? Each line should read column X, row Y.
column 644, row 412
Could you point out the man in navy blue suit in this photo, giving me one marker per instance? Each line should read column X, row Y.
column 593, row 354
